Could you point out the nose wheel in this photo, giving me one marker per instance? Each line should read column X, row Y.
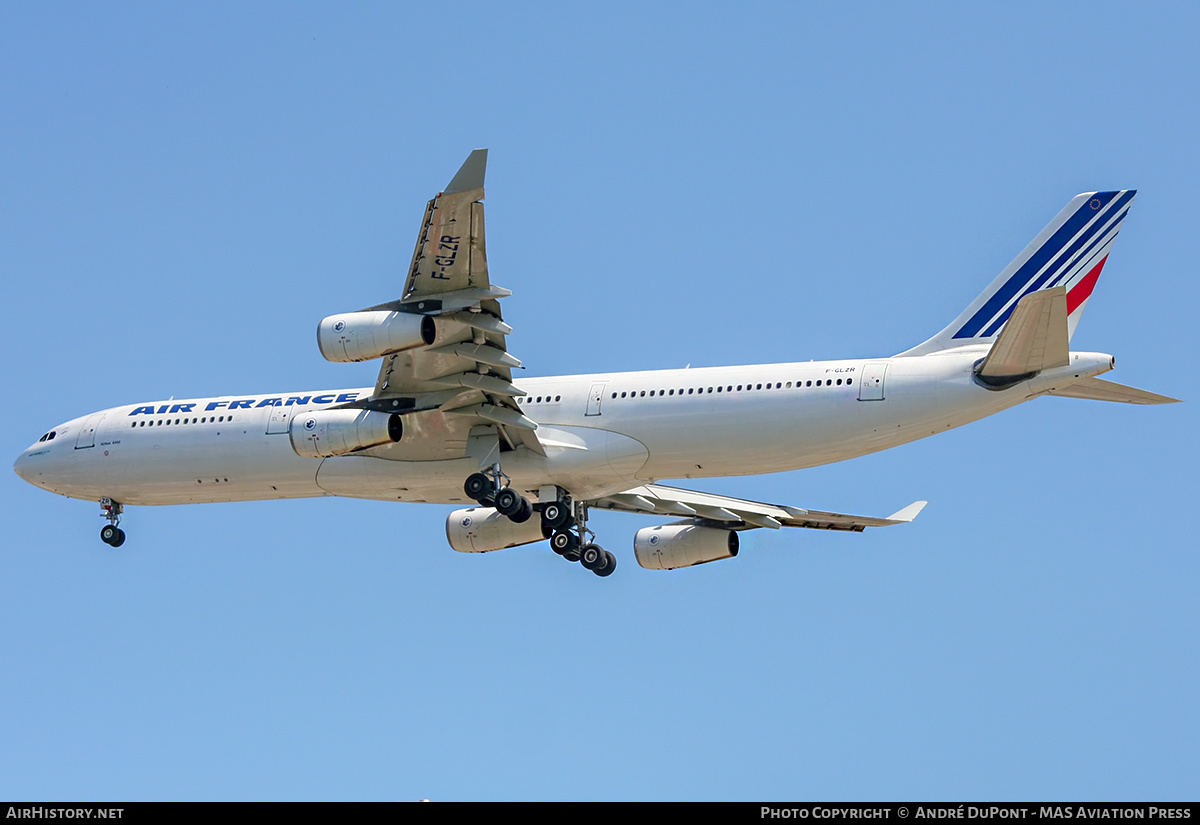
column 111, row 534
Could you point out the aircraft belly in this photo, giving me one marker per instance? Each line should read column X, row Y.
column 587, row 461
column 364, row 476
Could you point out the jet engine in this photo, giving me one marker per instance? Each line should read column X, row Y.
column 683, row 544
column 482, row 530
column 361, row 336
column 325, row 433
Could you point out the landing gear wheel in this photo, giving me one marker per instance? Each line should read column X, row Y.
column 572, row 554
column 111, row 535
column 120, row 539
column 563, row 542
column 555, row 514
column 523, row 514
column 508, row 502
column 592, row 556
column 478, row 486
column 608, row 568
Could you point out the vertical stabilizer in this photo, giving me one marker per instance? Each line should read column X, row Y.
column 1069, row 252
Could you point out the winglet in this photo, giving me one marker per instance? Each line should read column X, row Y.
column 908, row 513
column 470, row 174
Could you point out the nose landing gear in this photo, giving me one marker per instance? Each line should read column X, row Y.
column 111, row 534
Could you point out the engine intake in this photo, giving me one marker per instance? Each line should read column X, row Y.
column 482, row 530
column 325, row 433
column 671, row 546
column 361, row 336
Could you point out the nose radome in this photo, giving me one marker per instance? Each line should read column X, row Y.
column 21, row 466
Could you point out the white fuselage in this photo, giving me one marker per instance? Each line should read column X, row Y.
column 602, row 433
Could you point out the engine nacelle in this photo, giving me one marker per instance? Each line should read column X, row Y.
column 325, row 433
column 671, row 546
column 361, row 336
column 482, row 530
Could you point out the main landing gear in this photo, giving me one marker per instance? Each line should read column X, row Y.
column 110, row 533
column 491, row 489
column 572, row 540
column 563, row 520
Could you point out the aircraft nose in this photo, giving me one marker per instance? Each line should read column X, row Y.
column 21, row 466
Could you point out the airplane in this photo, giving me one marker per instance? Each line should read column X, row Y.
column 447, row 423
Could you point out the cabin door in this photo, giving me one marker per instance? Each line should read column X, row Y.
column 870, row 383
column 595, row 397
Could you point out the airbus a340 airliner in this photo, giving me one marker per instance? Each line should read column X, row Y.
column 446, row 423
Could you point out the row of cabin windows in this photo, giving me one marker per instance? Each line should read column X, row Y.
column 529, row 399
column 206, row 420
column 828, row 382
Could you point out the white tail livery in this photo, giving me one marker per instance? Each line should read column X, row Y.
column 527, row 459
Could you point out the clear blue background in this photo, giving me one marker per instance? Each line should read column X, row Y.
column 186, row 189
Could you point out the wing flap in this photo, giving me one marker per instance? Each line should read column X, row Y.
column 466, row 371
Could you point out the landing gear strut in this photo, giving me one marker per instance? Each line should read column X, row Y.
column 573, row 542
column 564, row 520
column 490, row 488
column 110, row 533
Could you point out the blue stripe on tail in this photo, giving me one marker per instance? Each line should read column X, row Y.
column 1021, row 278
column 1103, row 230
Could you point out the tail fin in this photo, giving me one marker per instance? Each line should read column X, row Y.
column 1069, row 252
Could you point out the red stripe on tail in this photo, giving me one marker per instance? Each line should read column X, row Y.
column 1082, row 290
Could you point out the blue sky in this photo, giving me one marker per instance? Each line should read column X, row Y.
column 185, row 190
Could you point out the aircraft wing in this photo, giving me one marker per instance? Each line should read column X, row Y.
column 738, row 514
column 467, row 372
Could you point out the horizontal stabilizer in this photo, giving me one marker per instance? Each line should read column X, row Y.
column 1034, row 339
column 1097, row 389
